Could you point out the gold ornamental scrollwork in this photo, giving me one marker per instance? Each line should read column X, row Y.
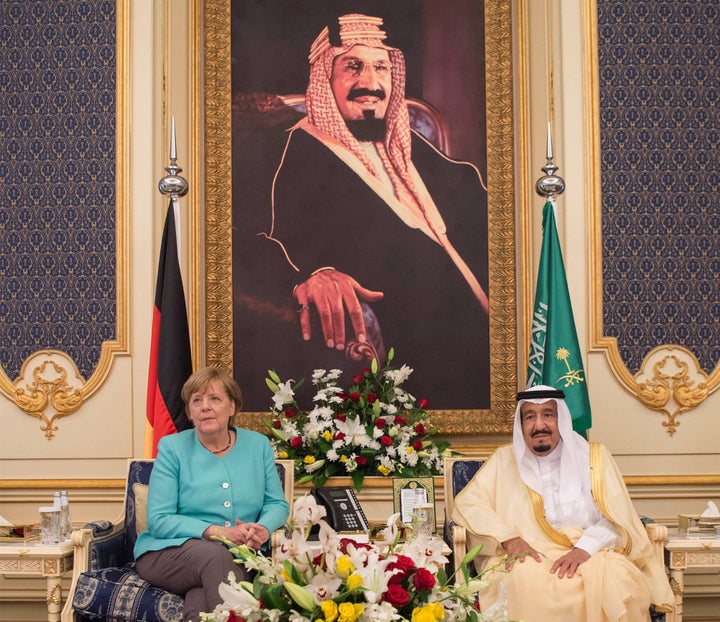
column 49, row 388
column 671, row 382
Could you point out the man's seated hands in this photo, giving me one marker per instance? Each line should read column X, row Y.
column 332, row 292
column 567, row 565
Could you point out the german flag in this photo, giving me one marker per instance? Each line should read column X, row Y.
column 170, row 357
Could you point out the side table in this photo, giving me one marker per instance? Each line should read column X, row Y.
column 34, row 559
column 689, row 550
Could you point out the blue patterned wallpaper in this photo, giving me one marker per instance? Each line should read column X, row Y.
column 57, row 179
column 660, row 175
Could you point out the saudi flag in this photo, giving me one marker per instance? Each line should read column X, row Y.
column 555, row 358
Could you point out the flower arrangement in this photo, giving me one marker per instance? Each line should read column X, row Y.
column 340, row 580
column 374, row 427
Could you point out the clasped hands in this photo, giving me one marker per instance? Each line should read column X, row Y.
column 252, row 534
column 567, row 565
column 332, row 292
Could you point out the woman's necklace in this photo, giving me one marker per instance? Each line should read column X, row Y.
column 219, row 451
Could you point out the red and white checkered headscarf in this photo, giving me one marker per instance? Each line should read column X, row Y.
column 323, row 112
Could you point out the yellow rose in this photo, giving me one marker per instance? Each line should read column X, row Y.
column 437, row 610
column 328, row 435
column 354, row 581
column 349, row 612
column 425, row 614
column 383, row 469
column 282, row 455
column 330, row 610
column 309, row 459
column 410, row 449
column 344, row 567
column 343, row 458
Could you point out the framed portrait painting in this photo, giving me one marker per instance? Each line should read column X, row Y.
column 370, row 209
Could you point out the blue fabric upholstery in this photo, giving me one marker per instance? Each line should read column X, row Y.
column 111, row 590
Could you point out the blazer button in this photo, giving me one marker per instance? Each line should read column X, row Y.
column 227, row 504
column 227, row 523
column 225, row 485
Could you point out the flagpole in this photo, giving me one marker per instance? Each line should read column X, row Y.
column 173, row 185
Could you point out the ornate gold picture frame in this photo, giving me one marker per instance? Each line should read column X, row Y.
column 217, row 114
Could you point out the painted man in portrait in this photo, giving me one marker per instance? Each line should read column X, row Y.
column 368, row 237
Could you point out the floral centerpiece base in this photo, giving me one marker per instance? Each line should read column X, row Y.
column 339, row 580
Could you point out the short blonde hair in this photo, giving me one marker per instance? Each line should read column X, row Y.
column 199, row 381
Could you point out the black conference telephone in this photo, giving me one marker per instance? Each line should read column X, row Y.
column 343, row 508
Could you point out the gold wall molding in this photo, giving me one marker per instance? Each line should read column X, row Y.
column 670, row 380
column 501, row 215
column 57, row 389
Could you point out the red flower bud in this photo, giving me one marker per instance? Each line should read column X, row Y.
column 396, row 596
column 372, row 398
column 296, row 442
column 277, row 425
column 366, row 371
column 419, row 429
column 423, row 403
column 399, row 420
column 339, row 436
column 423, row 579
column 361, row 460
column 379, row 423
column 357, row 378
column 386, row 440
column 354, row 397
column 417, row 444
column 290, row 412
column 341, row 417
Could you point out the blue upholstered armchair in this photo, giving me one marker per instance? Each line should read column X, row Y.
column 459, row 471
column 105, row 585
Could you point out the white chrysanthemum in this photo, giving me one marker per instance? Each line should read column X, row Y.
column 317, row 375
column 332, row 455
column 390, row 409
column 379, row 612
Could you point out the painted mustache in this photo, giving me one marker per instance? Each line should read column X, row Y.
column 362, row 92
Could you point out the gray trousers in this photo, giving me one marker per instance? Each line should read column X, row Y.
column 193, row 570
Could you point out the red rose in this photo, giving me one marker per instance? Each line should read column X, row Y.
column 277, row 425
column 405, row 565
column 423, row 403
column 396, row 596
column 400, row 420
column 380, row 423
column 419, row 429
column 342, row 395
column 423, row 579
column 345, row 542
column 339, row 436
column 296, row 442
column 417, row 444
column 386, row 440
column 372, row 398
column 354, row 397
column 290, row 412
column 361, row 461
column 366, row 371
column 340, row 417
column 357, row 378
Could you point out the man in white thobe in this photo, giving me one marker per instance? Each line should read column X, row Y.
column 558, row 526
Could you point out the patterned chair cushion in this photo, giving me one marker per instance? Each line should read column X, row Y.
column 120, row 595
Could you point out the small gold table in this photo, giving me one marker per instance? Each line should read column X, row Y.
column 689, row 550
column 34, row 559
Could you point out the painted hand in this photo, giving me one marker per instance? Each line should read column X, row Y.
column 333, row 293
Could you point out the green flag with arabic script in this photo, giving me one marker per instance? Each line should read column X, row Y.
column 555, row 357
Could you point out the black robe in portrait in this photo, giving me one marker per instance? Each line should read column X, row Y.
column 326, row 215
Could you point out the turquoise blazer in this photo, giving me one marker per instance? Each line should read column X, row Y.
column 191, row 489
